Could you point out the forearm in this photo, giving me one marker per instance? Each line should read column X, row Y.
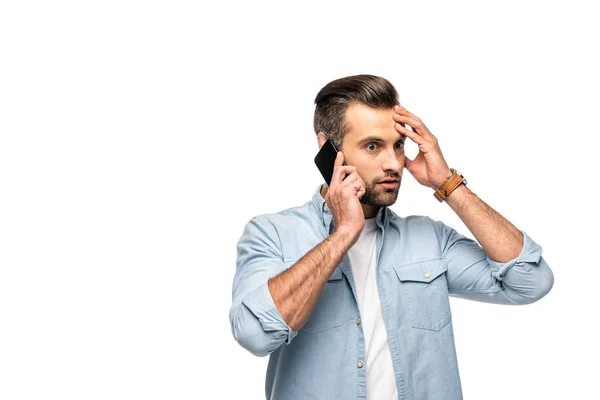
column 296, row 290
column 499, row 238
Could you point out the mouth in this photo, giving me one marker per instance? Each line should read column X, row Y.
column 389, row 183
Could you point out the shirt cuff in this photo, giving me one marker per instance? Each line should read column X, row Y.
column 260, row 302
column 527, row 259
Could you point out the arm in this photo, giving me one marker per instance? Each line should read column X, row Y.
column 507, row 268
column 296, row 290
column 271, row 303
column 500, row 239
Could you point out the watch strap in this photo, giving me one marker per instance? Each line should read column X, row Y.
column 449, row 185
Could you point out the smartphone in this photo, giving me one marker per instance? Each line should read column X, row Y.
column 325, row 159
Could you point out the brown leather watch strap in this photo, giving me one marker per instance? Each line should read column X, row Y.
column 449, row 186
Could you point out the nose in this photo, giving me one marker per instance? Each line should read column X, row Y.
column 393, row 161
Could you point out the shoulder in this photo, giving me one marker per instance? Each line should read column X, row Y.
column 286, row 219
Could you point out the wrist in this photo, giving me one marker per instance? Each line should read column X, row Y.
column 346, row 237
column 455, row 180
column 448, row 176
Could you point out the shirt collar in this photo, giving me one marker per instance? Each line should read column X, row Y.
column 326, row 217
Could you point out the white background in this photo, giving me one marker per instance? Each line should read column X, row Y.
column 138, row 138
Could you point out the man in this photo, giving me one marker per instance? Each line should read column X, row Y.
column 350, row 300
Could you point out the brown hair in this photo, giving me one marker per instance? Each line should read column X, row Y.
column 333, row 100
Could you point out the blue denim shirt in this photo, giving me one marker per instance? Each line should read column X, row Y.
column 420, row 263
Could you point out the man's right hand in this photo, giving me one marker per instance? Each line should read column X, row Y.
column 343, row 195
column 296, row 290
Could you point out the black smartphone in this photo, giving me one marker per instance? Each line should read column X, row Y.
column 325, row 159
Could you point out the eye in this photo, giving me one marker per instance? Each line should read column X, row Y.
column 370, row 146
column 399, row 145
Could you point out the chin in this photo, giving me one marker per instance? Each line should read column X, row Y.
column 388, row 202
column 381, row 198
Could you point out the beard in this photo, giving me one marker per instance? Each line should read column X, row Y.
column 378, row 196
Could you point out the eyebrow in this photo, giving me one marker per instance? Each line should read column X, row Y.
column 377, row 139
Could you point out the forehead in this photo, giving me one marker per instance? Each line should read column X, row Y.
column 365, row 121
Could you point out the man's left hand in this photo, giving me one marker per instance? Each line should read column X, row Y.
column 429, row 167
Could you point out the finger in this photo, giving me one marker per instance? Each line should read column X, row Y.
column 350, row 180
column 362, row 182
column 343, row 171
column 361, row 189
column 416, row 124
column 361, row 193
column 357, row 182
column 352, row 176
column 414, row 136
column 346, row 169
column 403, row 111
column 352, row 188
column 403, row 115
column 405, row 119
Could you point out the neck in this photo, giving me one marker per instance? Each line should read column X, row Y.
column 368, row 211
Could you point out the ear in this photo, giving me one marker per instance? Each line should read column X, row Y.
column 321, row 138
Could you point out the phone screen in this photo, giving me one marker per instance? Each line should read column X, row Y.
column 325, row 159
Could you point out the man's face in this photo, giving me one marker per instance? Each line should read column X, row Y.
column 376, row 149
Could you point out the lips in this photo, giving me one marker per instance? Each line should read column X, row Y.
column 389, row 184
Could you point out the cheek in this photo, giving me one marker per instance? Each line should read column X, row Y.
column 372, row 177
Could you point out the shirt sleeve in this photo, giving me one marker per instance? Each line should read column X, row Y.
column 473, row 275
column 256, row 323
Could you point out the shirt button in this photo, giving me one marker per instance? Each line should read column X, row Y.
column 325, row 207
column 359, row 364
column 358, row 321
column 427, row 275
column 498, row 273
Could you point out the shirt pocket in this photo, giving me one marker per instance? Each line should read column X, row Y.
column 327, row 313
column 425, row 291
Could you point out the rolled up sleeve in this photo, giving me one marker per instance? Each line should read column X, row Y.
column 256, row 323
column 473, row 275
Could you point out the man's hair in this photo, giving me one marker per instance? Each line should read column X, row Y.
column 334, row 99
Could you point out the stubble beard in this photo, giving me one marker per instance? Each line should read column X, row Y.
column 380, row 197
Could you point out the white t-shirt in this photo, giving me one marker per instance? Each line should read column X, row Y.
column 381, row 383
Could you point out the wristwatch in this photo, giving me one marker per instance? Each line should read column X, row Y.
column 455, row 180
